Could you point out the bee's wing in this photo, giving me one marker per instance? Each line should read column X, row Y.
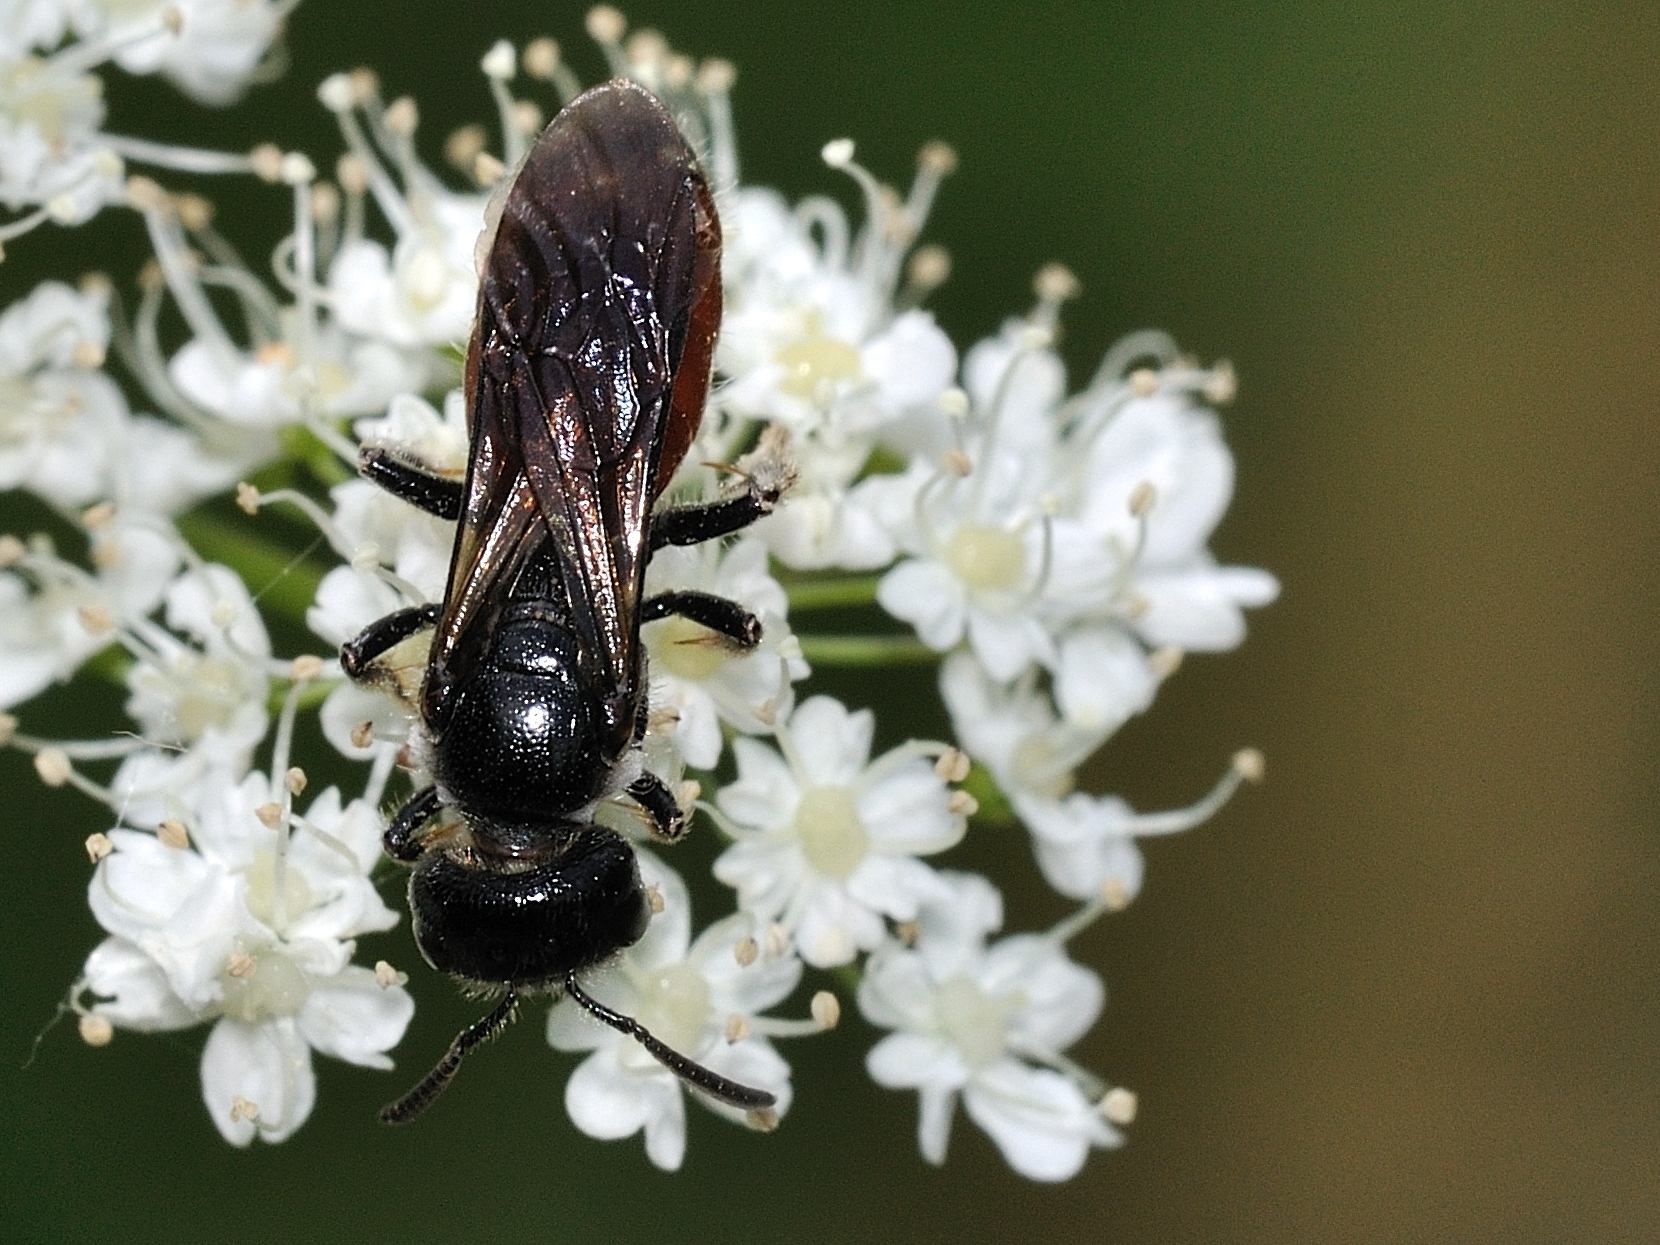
column 598, row 306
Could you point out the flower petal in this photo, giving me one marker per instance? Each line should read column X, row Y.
column 353, row 1017
column 267, row 1065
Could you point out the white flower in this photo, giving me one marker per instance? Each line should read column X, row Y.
column 810, row 334
column 249, row 927
column 1152, row 486
column 987, row 1023
column 980, row 549
column 50, row 112
column 699, row 680
column 210, row 56
column 1085, row 844
column 687, row 994
column 423, row 292
column 54, row 615
column 827, row 838
column 267, row 387
column 205, row 694
column 31, row 24
column 60, row 418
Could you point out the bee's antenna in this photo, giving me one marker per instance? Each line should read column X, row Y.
column 688, row 1070
column 437, row 1081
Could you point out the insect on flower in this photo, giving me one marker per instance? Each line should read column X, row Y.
column 586, row 377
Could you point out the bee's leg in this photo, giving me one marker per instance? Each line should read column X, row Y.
column 652, row 794
column 383, row 634
column 726, row 618
column 400, row 840
column 767, row 474
column 435, row 494
column 692, row 525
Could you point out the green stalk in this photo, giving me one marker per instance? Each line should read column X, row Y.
column 838, row 593
column 866, row 650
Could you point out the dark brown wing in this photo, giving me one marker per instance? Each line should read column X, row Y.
column 598, row 306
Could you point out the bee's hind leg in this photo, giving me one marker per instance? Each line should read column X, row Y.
column 726, row 618
column 401, row 838
column 435, row 494
column 382, row 635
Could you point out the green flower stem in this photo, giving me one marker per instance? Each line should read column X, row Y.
column 840, row 593
column 995, row 808
column 311, row 696
column 866, row 650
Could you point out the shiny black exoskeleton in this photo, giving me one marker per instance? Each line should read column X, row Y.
column 586, row 376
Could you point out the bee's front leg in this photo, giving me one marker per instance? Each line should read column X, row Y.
column 767, row 474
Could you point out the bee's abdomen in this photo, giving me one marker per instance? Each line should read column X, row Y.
column 528, row 928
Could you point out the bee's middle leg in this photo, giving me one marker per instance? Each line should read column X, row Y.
column 651, row 793
column 435, row 494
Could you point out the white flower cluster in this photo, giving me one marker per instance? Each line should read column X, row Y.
column 1048, row 549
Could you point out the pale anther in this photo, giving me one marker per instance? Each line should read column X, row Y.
column 838, row 152
column 500, row 62
column 1118, row 1106
column 1164, row 662
column 952, row 765
column 541, row 58
column 305, row 667
column 402, row 117
column 172, row 833
column 267, row 162
column 96, row 1030
column 826, row 1009
column 52, row 765
column 1142, row 499
column 1250, row 764
column 605, row 24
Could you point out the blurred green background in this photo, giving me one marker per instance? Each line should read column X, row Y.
column 1408, row 990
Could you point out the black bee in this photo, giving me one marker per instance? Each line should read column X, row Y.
column 599, row 303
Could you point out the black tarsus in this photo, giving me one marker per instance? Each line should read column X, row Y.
column 433, row 493
column 399, row 841
column 443, row 1072
column 688, row 1070
column 383, row 634
column 716, row 613
column 652, row 794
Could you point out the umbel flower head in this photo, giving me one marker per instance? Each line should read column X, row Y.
column 965, row 519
